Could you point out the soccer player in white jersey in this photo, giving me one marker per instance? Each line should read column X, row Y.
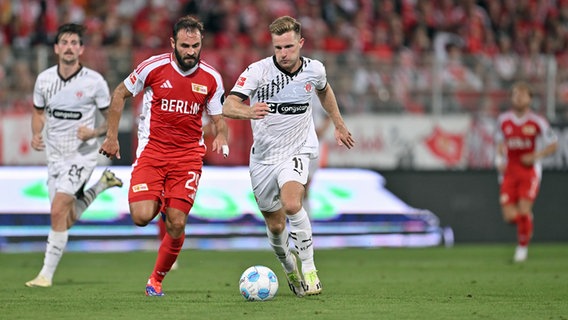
column 523, row 138
column 280, row 89
column 66, row 97
column 178, row 87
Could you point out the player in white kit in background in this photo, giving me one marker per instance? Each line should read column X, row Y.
column 66, row 98
column 280, row 89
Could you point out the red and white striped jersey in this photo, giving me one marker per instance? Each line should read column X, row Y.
column 523, row 135
column 173, row 103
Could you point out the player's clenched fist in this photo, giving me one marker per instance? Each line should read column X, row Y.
column 37, row 142
column 110, row 148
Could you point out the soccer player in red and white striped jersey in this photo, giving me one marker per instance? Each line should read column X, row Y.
column 178, row 87
column 523, row 139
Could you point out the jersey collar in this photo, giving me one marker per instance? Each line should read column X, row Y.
column 71, row 76
column 286, row 72
column 177, row 68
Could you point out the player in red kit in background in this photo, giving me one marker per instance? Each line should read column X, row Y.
column 178, row 88
column 523, row 139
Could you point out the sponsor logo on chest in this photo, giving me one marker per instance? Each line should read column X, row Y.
column 179, row 106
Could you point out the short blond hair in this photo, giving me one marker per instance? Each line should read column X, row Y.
column 285, row 24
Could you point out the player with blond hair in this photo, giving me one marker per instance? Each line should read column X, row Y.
column 280, row 89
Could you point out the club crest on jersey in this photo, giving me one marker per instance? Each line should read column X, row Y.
column 529, row 130
column 241, row 81
column 79, row 94
column 309, row 87
column 132, row 78
column 199, row 88
column 140, row 187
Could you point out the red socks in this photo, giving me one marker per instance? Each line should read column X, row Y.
column 167, row 255
column 524, row 229
column 161, row 228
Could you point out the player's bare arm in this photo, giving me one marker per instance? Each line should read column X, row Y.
column 110, row 147
column 38, row 121
column 500, row 162
column 530, row 158
column 329, row 103
column 234, row 108
column 220, row 143
column 85, row 133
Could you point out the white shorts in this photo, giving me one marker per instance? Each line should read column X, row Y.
column 267, row 180
column 69, row 176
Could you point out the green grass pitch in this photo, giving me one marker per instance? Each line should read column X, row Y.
column 463, row 282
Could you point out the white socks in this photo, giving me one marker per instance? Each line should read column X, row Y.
column 301, row 234
column 279, row 244
column 56, row 243
column 89, row 195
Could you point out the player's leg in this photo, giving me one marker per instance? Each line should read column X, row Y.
column 179, row 191
column 301, row 234
column 162, row 231
column 528, row 189
column 278, row 240
column 84, row 199
column 170, row 245
column 524, row 229
column 292, row 179
column 65, row 180
column 56, row 239
column 266, row 191
column 146, row 191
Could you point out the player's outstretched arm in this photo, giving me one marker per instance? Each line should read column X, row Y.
column 38, row 121
column 220, row 143
column 234, row 108
column 329, row 103
column 110, row 147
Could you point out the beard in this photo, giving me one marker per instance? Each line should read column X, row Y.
column 186, row 64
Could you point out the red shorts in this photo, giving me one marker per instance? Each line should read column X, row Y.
column 519, row 185
column 171, row 182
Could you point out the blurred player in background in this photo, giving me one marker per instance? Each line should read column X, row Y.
column 523, row 139
column 280, row 89
column 66, row 98
column 178, row 87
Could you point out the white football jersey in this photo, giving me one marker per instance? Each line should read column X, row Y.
column 68, row 105
column 289, row 127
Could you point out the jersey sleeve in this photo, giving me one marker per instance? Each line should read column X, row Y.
column 134, row 83
column 38, row 98
column 102, row 93
column 215, row 104
column 321, row 81
column 248, row 81
column 547, row 133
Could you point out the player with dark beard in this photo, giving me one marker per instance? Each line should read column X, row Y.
column 178, row 88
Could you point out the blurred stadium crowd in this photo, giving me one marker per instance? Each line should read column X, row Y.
column 405, row 56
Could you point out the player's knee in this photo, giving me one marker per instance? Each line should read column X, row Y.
column 291, row 207
column 177, row 226
column 276, row 227
column 138, row 220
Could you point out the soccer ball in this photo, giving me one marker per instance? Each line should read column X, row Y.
column 258, row 283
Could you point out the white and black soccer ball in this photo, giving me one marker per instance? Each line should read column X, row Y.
column 258, row 283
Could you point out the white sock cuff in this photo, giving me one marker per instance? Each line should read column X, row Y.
column 299, row 217
column 58, row 235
